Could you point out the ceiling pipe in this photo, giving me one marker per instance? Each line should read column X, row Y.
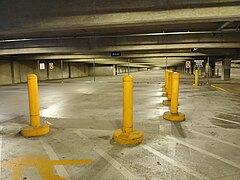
column 231, row 30
column 224, row 25
column 119, row 36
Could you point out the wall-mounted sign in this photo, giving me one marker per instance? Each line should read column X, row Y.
column 199, row 63
column 116, row 53
column 51, row 66
column 188, row 64
column 41, row 66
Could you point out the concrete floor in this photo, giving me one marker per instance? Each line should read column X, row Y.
column 84, row 115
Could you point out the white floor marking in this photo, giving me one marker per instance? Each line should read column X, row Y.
column 206, row 152
column 221, row 119
column 228, row 114
column 13, row 91
column 174, row 163
column 172, row 148
column 216, row 139
column 1, row 144
column 61, row 171
column 116, row 164
column 161, row 128
column 109, row 159
column 97, row 130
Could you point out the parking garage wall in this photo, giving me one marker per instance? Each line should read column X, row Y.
column 235, row 70
column 217, row 71
column 16, row 71
column 124, row 69
column 78, row 70
column 12, row 71
column 101, row 70
column 26, row 67
column 56, row 72
column 112, row 70
column 5, row 72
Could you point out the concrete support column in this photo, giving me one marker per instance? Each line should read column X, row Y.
column 174, row 68
column 226, row 69
column 192, row 67
column 12, row 72
column 212, row 68
column 116, row 69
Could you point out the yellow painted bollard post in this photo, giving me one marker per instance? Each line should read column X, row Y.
column 164, row 88
column 127, row 135
column 165, row 75
column 173, row 114
column 35, row 128
column 169, row 90
column 196, row 78
column 166, row 83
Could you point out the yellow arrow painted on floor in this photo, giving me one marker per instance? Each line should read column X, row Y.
column 41, row 162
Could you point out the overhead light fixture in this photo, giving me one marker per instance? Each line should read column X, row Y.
column 194, row 49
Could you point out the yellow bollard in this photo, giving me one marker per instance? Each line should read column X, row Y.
column 35, row 128
column 165, row 75
column 127, row 104
column 166, row 83
column 127, row 135
column 196, row 78
column 169, row 90
column 173, row 114
column 164, row 88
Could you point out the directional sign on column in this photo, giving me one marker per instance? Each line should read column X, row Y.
column 51, row 66
column 188, row 64
column 41, row 66
column 116, row 53
column 199, row 63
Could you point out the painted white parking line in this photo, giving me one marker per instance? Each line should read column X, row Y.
column 172, row 148
column 205, row 152
column 216, row 139
column 1, row 146
column 116, row 164
column 97, row 130
column 226, row 120
column 174, row 163
column 228, row 114
column 61, row 171
column 13, row 91
column 127, row 174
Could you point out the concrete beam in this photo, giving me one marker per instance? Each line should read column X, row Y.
column 160, row 59
column 150, row 55
column 122, row 19
column 227, row 45
column 226, row 69
column 94, row 42
column 107, row 55
column 84, row 49
column 98, row 61
column 172, row 62
column 135, row 65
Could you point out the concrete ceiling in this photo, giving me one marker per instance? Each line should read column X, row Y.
column 147, row 33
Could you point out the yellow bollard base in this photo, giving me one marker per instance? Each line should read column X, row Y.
column 134, row 137
column 195, row 84
column 166, row 102
column 30, row 131
column 174, row 117
column 164, row 90
column 164, row 95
